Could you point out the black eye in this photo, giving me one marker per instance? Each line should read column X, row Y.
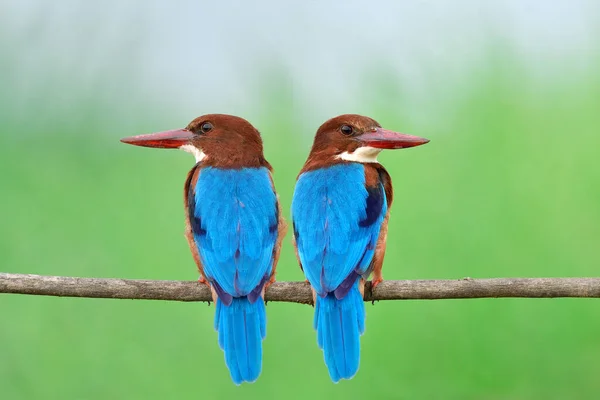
column 206, row 127
column 346, row 129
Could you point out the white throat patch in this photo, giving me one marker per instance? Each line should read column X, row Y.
column 364, row 154
column 196, row 152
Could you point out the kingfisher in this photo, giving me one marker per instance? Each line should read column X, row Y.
column 233, row 226
column 340, row 213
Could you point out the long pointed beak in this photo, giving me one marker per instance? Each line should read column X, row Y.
column 164, row 140
column 383, row 139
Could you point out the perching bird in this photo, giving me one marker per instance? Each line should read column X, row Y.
column 233, row 226
column 340, row 212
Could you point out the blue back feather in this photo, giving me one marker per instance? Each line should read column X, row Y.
column 234, row 218
column 235, row 212
column 336, row 222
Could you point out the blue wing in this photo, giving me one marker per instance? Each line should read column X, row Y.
column 234, row 219
column 337, row 220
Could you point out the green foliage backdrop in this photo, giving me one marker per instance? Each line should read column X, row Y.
column 508, row 186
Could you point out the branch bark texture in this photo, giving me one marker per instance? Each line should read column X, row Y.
column 300, row 292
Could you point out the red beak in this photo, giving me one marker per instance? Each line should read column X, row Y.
column 164, row 140
column 383, row 139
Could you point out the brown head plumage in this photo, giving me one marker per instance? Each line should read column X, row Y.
column 354, row 138
column 217, row 140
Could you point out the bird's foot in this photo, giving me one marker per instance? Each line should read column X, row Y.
column 202, row 280
column 376, row 281
column 270, row 282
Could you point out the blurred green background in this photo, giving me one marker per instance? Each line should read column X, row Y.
column 508, row 93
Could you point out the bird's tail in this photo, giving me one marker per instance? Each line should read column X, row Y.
column 242, row 326
column 339, row 324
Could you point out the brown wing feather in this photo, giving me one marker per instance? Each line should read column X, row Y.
column 377, row 262
column 281, row 231
column 191, row 179
column 386, row 179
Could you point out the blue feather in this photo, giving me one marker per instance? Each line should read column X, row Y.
column 237, row 210
column 337, row 220
column 234, row 219
column 240, row 328
column 339, row 324
column 374, row 206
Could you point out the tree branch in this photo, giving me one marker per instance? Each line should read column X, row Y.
column 299, row 292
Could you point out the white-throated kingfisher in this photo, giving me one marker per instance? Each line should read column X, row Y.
column 233, row 226
column 340, row 213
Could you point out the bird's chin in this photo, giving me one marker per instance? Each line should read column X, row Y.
column 363, row 154
column 198, row 154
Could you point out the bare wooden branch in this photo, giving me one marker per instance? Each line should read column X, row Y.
column 299, row 292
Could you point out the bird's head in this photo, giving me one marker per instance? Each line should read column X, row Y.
column 352, row 137
column 215, row 139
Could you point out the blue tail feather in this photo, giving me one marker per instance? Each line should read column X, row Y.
column 339, row 324
column 242, row 327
